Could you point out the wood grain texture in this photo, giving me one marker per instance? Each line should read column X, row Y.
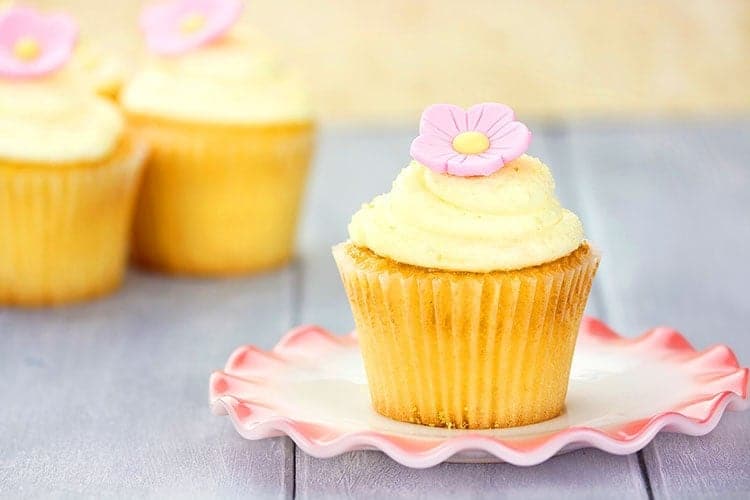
column 668, row 204
column 353, row 167
column 585, row 474
column 109, row 399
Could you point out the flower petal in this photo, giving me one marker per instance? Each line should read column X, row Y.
column 220, row 16
column 161, row 23
column 56, row 35
column 446, row 120
column 441, row 123
column 489, row 116
column 433, row 152
column 473, row 165
column 510, row 141
column 15, row 22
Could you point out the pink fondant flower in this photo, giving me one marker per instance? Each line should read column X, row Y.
column 181, row 25
column 34, row 44
column 477, row 141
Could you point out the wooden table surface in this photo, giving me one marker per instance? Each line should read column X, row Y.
column 109, row 399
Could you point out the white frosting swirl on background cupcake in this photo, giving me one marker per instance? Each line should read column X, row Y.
column 235, row 80
column 47, row 122
column 508, row 220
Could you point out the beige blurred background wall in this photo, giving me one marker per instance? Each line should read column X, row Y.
column 384, row 60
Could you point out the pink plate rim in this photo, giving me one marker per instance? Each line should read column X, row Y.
column 725, row 384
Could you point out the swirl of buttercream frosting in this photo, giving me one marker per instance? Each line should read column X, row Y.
column 49, row 122
column 505, row 221
column 237, row 80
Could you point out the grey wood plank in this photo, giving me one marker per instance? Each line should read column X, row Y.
column 368, row 474
column 353, row 167
column 712, row 466
column 109, row 399
column 668, row 205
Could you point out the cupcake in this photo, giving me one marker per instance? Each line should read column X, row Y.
column 231, row 136
column 68, row 170
column 468, row 280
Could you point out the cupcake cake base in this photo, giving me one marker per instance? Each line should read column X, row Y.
column 467, row 350
column 219, row 199
column 64, row 229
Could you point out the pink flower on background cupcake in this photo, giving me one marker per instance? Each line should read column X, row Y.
column 477, row 141
column 34, row 44
column 179, row 26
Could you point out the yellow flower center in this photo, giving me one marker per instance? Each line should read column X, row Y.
column 192, row 23
column 26, row 48
column 471, row 143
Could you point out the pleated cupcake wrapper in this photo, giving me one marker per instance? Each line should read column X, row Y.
column 64, row 230
column 220, row 200
column 467, row 351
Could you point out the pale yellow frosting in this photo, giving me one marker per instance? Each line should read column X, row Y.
column 235, row 80
column 94, row 68
column 50, row 122
column 508, row 220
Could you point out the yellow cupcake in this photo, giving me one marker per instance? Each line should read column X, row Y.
column 466, row 350
column 68, row 178
column 467, row 289
column 232, row 137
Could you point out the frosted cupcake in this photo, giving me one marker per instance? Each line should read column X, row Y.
column 68, row 170
column 468, row 280
column 232, row 137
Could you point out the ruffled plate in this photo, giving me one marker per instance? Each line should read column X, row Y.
column 312, row 388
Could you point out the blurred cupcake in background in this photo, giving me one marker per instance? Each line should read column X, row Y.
column 232, row 138
column 68, row 170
